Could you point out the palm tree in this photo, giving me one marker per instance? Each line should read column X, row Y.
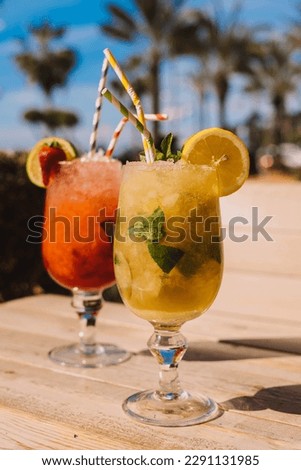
column 277, row 73
column 227, row 49
column 49, row 69
column 164, row 28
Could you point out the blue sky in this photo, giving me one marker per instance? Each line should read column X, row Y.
column 81, row 17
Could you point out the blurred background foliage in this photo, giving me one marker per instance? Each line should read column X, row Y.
column 221, row 45
column 21, row 270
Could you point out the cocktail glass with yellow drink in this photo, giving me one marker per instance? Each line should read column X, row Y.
column 168, row 252
column 168, row 265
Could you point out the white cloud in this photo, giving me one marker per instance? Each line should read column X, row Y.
column 17, row 138
column 9, row 47
column 14, row 101
column 2, row 25
column 78, row 35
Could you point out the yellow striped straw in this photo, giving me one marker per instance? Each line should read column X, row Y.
column 149, row 150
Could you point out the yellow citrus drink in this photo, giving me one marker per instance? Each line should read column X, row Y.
column 167, row 251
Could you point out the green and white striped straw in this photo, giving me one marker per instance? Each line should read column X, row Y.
column 150, row 158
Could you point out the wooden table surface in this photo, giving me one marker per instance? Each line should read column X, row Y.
column 244, row 352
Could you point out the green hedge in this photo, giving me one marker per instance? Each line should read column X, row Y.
column 21, row 268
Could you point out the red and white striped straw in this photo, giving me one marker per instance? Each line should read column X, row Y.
column 149, row 117
column 115, row 136
column 156, row 117
column 98, row 106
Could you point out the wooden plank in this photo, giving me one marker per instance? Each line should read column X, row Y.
column 276, row 298
column 230, row 318
column 79, row 404
column 237, row 320
column 283, row 254
column 281, row 200
column 23, row 430
column 280, row 256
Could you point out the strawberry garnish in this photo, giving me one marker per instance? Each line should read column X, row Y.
column 50, row 156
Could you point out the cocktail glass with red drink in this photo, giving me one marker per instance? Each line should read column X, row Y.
column 77, row 249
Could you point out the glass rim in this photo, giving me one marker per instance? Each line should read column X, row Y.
column 168, row 165
column 67, row 163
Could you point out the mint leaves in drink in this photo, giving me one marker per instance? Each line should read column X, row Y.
column 152, row 230
column 149, row 228
column 165, row 256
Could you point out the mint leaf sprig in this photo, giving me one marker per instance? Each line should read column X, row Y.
column 165, row 152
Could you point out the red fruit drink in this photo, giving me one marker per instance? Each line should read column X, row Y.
column 79, row 212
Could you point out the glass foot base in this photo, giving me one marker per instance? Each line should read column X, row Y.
column 103, row 355
column 184, row 410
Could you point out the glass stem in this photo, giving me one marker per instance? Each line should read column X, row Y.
column 87, row 305
column 168, row 348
